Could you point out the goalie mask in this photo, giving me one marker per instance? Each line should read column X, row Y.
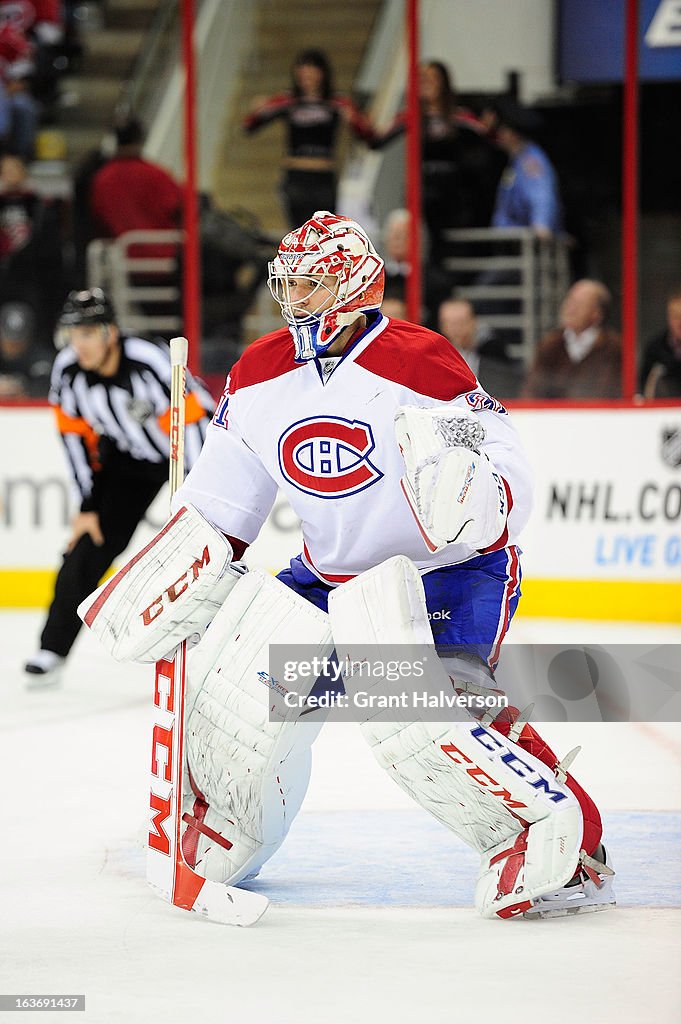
column 325, row 274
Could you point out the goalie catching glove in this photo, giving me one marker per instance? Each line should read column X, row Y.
column 170, row 590
column 452, row 488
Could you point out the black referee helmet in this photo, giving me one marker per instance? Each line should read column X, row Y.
column 87, row 307
column 82, row 309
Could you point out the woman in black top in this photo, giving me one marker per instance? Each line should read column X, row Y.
column 313, row 113
column 460, row 165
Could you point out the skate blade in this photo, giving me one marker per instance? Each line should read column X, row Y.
column 592, row 908
column 42, row 680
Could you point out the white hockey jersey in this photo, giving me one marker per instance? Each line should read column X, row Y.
column 327, row 440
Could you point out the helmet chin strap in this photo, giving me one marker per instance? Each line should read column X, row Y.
column 305, row 339
column 306, row 334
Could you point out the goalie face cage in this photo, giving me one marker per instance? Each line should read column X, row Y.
column 303, row 297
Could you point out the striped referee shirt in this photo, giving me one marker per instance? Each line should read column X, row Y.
column 130, row 409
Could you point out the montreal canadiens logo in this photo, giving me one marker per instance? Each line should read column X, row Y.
column 328, row 456
column 481, row 402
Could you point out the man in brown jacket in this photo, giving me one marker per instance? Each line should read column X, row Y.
column 582, row 358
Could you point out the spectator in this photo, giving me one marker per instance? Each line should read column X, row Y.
column 437, row 284
column 16, row 64
column 396, row 251
column 458, row 323
column 40, row 20
column 130, row 193
column 660, row 375
column 582, row 358
column 395, row 308
column 84, row 228
column 15, row 47
column 528, row 194
column 41, row 23
column 527, row 197
column 24, row 367
column 234, row 258
column 30, row 246
column 24, row 109
column 460, row 165
column 313, row 113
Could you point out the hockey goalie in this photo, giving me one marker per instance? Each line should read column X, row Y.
column 412, row 488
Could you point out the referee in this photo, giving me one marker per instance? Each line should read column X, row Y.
column 111, row 396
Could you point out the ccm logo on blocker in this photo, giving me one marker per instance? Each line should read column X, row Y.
column 176, row 589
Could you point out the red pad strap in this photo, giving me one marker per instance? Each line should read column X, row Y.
column 238, row 547
column 515, row 858
column 534, row 744
column 516, row 910
column 196, row 823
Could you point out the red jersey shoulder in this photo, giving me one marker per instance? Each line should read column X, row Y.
column 420, row 359
column 269, row 357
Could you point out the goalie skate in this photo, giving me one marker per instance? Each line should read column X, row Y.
column 589, row 891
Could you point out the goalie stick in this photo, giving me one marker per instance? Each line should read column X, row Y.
column 167, row 871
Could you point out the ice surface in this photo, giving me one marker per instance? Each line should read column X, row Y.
column 371, row 915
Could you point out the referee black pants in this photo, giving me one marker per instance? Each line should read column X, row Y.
column 125, row 493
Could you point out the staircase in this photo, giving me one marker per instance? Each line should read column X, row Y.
column 111, row 44
column 248, row 171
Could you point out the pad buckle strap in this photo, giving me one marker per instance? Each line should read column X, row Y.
column 466, row 686
column 509, row 876
column 561, row 769
column 594, row 868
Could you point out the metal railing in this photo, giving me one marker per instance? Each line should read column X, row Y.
column 519, row 289
column 148, row 80
column 371, row 182
column 515, row 280
column 154, row 93
column 144, row 288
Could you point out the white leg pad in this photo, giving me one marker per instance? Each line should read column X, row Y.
column 542, row 858
column 482, row 786
column 252, row 772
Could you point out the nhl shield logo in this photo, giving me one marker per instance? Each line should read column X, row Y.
column 671, row 446
column 140, row 410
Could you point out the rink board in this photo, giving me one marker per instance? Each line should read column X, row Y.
column 604, row 541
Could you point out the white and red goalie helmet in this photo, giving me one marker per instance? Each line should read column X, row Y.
column 345, row 275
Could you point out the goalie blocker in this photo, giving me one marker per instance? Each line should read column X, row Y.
column 166, row 593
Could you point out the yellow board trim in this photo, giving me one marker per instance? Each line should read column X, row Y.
column 599, row 600
column 29, row 588
column 26, row 588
